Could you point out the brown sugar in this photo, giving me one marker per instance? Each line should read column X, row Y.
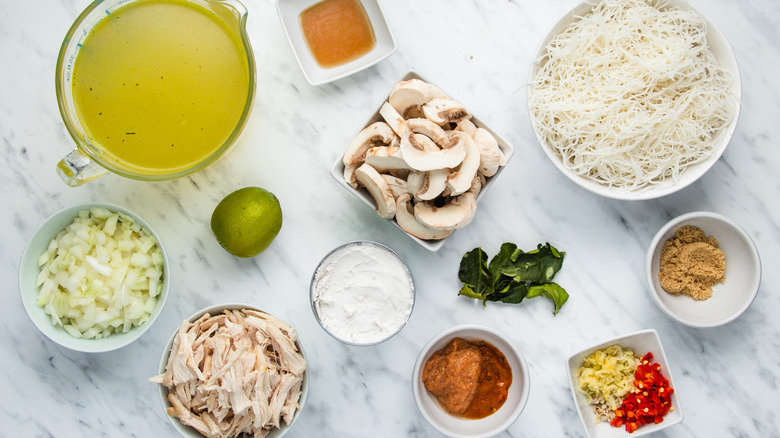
column 691, row 263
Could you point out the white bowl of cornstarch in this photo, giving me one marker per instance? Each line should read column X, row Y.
column 634, row 99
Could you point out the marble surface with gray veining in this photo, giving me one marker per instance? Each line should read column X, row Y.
column 479, row 52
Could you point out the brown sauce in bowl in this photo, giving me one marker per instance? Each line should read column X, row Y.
column 337, row 31
column 495, row 378
column 470, row 379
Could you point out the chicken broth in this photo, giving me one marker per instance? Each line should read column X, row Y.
column 337, row 31
column 160, row 85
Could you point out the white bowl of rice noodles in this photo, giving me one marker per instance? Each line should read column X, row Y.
column 634, row 99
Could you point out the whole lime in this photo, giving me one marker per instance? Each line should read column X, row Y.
column 247, row 221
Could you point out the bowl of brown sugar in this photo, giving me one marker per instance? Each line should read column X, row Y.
column 703, row 269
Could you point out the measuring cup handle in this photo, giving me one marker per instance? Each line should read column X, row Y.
column 76, row 169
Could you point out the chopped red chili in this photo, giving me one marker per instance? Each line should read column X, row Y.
column 650, row 400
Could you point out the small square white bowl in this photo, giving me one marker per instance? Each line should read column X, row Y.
column 337, row 170
column 642, row 342
column 289, row 13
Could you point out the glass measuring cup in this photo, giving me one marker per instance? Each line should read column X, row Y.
column 91, row 159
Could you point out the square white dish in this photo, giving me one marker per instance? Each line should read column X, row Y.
column 289, row 12
column 642, row 342
column 337, row 170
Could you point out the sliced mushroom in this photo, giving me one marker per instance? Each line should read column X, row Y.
column 434, row 185
column 407, row 97
column 460, row 179
column 436, row 92
column 429, row 129
column 468, row 127
column 400, row 173
column 376, row 134
column 386, row 158
column 477, row 184
column 349, row 176
column 409, row 223
column 369, row 178
column 393, row 119
column 415, row 182
column 490, row 153
column 419, row 159
column 456, row 213
column 421, row 141
column 428, row 171
column 442, row 111
column 397, row 185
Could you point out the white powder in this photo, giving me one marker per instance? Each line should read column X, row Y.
column 362, row 293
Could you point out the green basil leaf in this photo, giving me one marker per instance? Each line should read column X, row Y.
column 469, row 292
column 512, row 275
column 538, row 266
column 557, row 294
column 513, row 294
column 505, row 257
column 503, row 283
column 473, row 272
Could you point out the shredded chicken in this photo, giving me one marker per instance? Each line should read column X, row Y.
column 235, row 373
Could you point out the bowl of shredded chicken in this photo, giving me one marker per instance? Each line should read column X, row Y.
column 233, row 370
column 634, row 99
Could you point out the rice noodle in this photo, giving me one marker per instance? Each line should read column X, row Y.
column 630, row 94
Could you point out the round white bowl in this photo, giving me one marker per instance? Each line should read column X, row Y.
column 29, row 269
column 189, row 432
column 729, row 299
column 461, row 427
column 312, row 292
column 725, row 56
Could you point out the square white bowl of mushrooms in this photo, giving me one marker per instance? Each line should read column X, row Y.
column 422, row 161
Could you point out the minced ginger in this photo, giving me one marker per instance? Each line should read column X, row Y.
column 691, row 263
column 605, row 377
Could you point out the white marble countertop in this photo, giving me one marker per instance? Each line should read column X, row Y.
column 480, row 52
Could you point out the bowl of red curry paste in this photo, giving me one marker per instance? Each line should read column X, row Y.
column 470, row 381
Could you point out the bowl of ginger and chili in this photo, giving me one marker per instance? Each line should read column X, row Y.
column 623, row 387
column 703, row 269
column 470, row 381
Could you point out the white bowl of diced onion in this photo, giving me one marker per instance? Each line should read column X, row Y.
column 106, row 289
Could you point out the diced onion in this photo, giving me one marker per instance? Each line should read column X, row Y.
column 101, row 275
